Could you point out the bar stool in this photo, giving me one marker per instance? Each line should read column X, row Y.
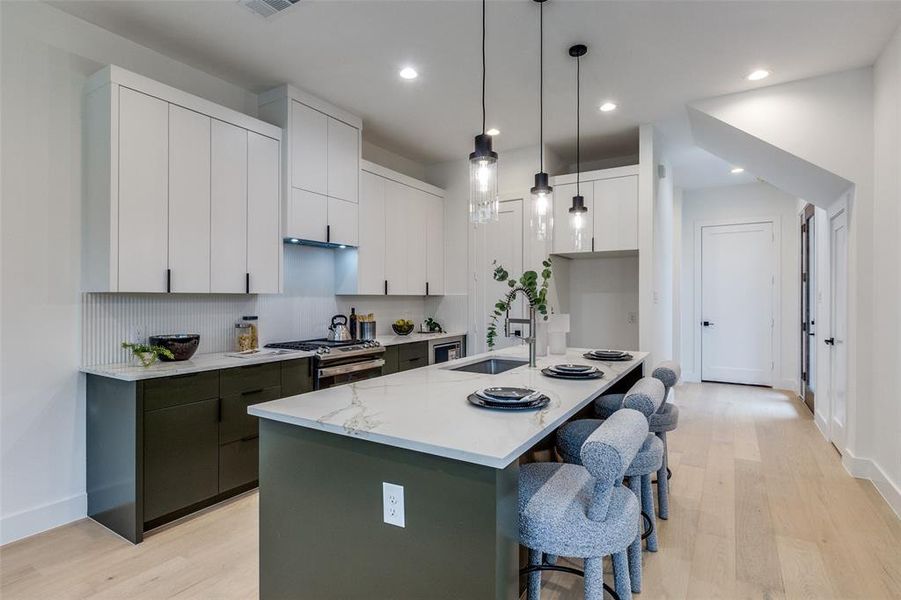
column 645, row 396
column 583, row 511
column 664, row 420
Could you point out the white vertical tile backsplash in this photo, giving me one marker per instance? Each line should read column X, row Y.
column 302, row 312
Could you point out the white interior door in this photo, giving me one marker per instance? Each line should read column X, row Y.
column 738, row 277
column 838, row 337
column 504, row 244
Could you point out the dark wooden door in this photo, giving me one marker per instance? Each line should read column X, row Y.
column 808, row 306
column 181, row 456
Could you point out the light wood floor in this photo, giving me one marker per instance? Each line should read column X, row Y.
column 761, row 508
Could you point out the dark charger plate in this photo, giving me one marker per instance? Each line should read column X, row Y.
column 533, row 405
column 623, row 358
column 575, row 377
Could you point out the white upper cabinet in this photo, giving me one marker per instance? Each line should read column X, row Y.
column 143, row 188
column 401, row 238
column 228, row 209
column 189, row 201
column 611, row 196
column 264, row 244
column 308, row 137
column 322, row 154
column 616, row 214
column 435, row 242
column 563, row 234
column 177, row 199
column 343, row 161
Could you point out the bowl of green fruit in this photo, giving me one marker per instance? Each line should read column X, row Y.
column 402, row 327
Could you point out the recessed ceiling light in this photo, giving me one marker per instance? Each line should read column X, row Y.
column 737, row 170
column 493, row 131
column 608, row 106
column 758, row 75
column 409, row 73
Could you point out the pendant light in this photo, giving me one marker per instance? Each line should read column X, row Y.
column 542, row 192
column 483, row 203
column 578, row 212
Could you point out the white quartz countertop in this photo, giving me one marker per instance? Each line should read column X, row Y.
column 129, row 371
column 427, row 410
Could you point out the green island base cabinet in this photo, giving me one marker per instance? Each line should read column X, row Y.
column 159, row 449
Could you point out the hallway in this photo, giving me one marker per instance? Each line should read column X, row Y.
column 761, row 508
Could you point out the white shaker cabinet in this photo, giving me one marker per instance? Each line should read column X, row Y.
column 182, row 195
column 189, row 201
column 143, row 188
column 616, row 214
column 264, row 244
column 228, row 209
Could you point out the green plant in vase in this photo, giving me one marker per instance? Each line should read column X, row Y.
column 528, row 283
column 146, row 353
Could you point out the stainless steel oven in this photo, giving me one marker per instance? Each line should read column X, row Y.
column 329, row 375
column 340, row 362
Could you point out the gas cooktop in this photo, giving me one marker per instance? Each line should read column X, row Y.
column 324, row 346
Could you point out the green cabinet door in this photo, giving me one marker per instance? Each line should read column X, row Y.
column 390, row 357
column 297, row 377
column 181, row 456
column 412, row 356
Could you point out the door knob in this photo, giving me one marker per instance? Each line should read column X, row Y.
column 830, row 341
column 707, row 323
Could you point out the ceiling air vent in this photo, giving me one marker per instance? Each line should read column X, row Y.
column 268, row 8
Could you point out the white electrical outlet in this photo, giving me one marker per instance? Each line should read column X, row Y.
column 393, row 503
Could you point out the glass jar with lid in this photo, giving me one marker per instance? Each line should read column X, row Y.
column 247, row 333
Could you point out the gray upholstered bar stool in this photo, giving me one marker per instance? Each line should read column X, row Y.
column 664, row 420
column 645, row 396
column 583, row 511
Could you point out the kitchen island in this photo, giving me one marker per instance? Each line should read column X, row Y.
column 324, row 457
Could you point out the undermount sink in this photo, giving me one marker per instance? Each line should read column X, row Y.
column 492, row 366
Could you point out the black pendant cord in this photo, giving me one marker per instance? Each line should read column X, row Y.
column 541, row 86
column 578, row 128
column 483, row 66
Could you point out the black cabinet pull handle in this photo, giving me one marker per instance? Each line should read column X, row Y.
column 386, row 287
column 249, row 438
column 328, row 233
column 426, row 288
column 592, row 247
column 249, row 392
column 246, row 283
column 168, row 281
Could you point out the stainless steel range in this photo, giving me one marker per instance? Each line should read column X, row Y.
column 337, row 362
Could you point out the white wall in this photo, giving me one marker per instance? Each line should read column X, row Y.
column 755, row 200
column 392, row 160
column 885, row 422
column 46, row 57
column 664, row 238
column 603, row 302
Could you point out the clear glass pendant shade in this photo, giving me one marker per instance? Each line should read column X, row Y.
column 578, row 224
column 483, row 203
column 542, row 216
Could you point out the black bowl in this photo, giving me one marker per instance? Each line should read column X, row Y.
column 402, row 330
column 181, row 345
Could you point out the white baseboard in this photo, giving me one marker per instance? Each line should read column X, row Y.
column 690, row 377
column 821, row 425
column 864, row 468
column 789, row 384
column 41, row 518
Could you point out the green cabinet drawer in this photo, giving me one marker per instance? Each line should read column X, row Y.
column 180, row 389
column 238, row 463
column 390, row 357
column 412, row 356
column 236, row 423
column 297, row 376
column 249, row 378
column 181, row 457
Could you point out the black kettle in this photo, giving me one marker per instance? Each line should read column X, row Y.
column 338, row 331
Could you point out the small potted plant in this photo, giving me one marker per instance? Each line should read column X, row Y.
column 147, row 354
column 537, row 294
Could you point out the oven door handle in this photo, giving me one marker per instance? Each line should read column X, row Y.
column 351, row 368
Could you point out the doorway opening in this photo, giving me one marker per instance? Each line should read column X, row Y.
column 808, row 307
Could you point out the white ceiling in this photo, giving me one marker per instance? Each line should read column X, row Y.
column 649, row 57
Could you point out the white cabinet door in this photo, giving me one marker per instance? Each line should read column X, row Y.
column 309, row 141
column 228, row 208
column 564, row 240
column 616, row 213
column 342, row 222
column 371, row 252
column 264, row 242
column 189, row 201
column 307, row 216
column 435, row 242
column 397, row 234
column 417, row 248
column 343, row 160
column 143, row 192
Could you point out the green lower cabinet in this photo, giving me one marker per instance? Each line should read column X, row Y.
column 390, row 357
column 297, row 376
column 239, row 463
column 181, row 457
column 412, row 356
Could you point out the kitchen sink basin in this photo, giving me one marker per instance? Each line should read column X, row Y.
column 492, row 366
